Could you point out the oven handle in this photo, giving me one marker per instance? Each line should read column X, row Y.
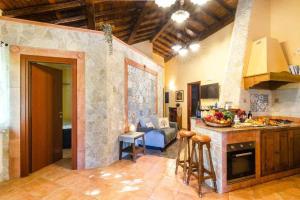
column 243, row 154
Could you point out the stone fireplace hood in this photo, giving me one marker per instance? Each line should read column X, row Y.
column 267, row 68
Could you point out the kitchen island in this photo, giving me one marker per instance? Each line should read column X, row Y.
column 243, row 157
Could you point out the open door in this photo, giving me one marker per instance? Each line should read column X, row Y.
column 192, row 101
column 46, row 116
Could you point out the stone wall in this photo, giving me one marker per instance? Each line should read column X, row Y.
column 3, row 155
column 104, row 80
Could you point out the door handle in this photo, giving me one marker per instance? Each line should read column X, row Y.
column 243, row 154
column 60, row 114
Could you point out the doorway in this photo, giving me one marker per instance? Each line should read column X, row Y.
column 50, row 117
column 192, row 100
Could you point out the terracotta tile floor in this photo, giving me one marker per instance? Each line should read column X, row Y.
column 151, row 177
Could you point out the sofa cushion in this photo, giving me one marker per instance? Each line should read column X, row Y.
column 170, row 134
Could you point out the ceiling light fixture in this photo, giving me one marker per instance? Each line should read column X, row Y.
column 177, row 47
column 180, row 16
column 199, row 2
column 194, row 47
column 183, row 52
column 165, row 3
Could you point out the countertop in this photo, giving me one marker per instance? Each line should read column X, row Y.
column 199, row 123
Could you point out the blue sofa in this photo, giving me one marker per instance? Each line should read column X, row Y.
column 156, row 138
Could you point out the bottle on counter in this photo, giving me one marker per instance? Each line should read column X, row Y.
column 236, row 119
column 250, row 115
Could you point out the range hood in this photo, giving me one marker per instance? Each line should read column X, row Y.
column 267, row 68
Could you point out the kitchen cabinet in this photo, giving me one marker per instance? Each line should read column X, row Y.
column 274, row 151
column 295, row 148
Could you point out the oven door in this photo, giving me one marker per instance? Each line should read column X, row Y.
column 240, row 164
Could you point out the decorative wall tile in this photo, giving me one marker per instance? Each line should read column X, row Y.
column 141, row 94
column 259, row 102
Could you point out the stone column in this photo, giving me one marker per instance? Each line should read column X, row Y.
column 232, row 89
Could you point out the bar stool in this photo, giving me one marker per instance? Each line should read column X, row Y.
column 184, row 142
column 197, row 168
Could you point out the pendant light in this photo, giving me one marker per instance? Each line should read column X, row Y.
column 176, row 47
column 194, row 47
column 183, row 52
column 199, row 2
column 180, row 16
column 165, row 3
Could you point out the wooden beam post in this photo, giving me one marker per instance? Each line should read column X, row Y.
column 90, row 13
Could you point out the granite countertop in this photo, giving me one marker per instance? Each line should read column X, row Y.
column 200, row 124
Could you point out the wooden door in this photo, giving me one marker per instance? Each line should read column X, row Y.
column 46, row 116
column 193, row 97
column 274, row 152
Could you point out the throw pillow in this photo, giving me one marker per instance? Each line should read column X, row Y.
column 164, row 122
column 149, row 125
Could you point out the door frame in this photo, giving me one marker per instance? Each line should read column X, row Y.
column 189, row 101
column 22, row 56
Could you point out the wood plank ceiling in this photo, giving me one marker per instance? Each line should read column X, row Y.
column 132, row 21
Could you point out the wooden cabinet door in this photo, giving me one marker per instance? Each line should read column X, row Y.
column 283, row 150
column 268, row 147
column 274, row 152
column 295, row 149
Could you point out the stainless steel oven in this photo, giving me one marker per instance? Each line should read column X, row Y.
column 240, row 161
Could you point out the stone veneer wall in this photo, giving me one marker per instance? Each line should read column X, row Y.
column 104, row 80
column 231, row 90
column 3, row 155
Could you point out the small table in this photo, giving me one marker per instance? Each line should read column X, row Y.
column 130, row 138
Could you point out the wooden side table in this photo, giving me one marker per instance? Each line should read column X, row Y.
column 130, row 138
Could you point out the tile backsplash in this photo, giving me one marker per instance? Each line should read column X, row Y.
column 259, row 102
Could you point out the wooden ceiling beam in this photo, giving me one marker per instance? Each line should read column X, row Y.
column 158, row 53
column 43, row 8
column 165, row 23
column 117, row 12
column 162, row 46
column 161, row 52
column 69, row 19
column 161, row 30
column 90, row 13
column 210, row 14
column 165, row 53
column 138, row 22
column 225, row 6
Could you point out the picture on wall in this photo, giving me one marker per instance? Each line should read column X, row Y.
column 179, row 95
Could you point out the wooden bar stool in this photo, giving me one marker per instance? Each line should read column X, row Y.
column 184, row 142
column 197, row 168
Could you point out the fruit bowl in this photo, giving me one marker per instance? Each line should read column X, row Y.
column 219, row 119
column 217, row 125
